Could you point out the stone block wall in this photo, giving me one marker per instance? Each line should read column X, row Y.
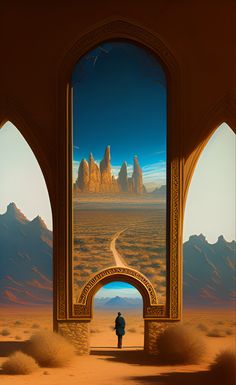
column 78, row 332
column 152, row 329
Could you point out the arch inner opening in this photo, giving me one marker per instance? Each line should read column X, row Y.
column 110, row 299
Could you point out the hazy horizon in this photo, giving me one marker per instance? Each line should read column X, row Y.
column 206, row 212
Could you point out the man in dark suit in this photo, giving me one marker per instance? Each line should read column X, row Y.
column 120, row 329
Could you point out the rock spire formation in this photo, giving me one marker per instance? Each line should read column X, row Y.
column 105, row 167
column 123, row 178
column 108, row 182
column 99, row 179
column 83, row 176
column 94, row 176
column 137, row 177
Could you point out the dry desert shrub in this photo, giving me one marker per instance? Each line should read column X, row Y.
column 223, row 369
column 50, row 349
column 17, row 338
column 229, row 332
column 201, row 326
column 215, row 333
column 132, row 330
column 17, row 323
column 5, row 332
column 46, row 373
column 180, row 345
column 19, row 363
column 220, row 322
column 94, row 330
column 35, row 326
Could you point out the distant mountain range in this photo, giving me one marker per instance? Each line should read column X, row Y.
column 118, row 303
column 26, row 267
column 209, row 272
column 159, row 191
column 25, row 259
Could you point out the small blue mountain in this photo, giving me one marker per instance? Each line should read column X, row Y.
column 118, row 303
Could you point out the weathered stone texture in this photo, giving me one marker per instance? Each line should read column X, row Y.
column 152, row 330
column 78, row 332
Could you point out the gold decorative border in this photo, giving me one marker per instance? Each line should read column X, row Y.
column 174, row 260
column 111, row 273
column 151, row 308
column 122, row 29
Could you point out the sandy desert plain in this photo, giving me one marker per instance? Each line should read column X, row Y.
column 108, row 365
column 137, row 227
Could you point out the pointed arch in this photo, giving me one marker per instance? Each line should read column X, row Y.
column 25, row 194
column 11, row 112
column 212, row 186
column 222, row 112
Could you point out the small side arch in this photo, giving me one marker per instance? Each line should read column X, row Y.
column 84, row 306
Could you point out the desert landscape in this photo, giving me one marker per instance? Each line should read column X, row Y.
column 140, row 241
column 116, row 222
column 209, row 271
column 106, row 364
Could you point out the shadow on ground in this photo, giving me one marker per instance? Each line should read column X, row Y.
column 135, row 357
column 8, row 347
column 172, row 377
column 179, row 378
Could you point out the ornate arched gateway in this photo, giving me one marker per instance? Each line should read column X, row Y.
column 73, row 303
column 83, row 307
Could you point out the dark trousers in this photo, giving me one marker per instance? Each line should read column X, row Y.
column 119, row 345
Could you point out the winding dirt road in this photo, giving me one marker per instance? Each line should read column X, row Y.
column 119, row 261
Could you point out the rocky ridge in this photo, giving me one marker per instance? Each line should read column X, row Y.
column 25, row 259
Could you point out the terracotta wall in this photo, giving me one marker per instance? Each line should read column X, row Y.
column 35, row 38
column 36, row 35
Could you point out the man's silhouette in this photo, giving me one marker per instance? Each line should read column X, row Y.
column 120, row 329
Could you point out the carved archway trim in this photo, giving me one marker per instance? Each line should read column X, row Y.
column 84, row 306
column 63, row 274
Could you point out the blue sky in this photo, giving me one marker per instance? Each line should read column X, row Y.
column 119, row 99
column 121, row 289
